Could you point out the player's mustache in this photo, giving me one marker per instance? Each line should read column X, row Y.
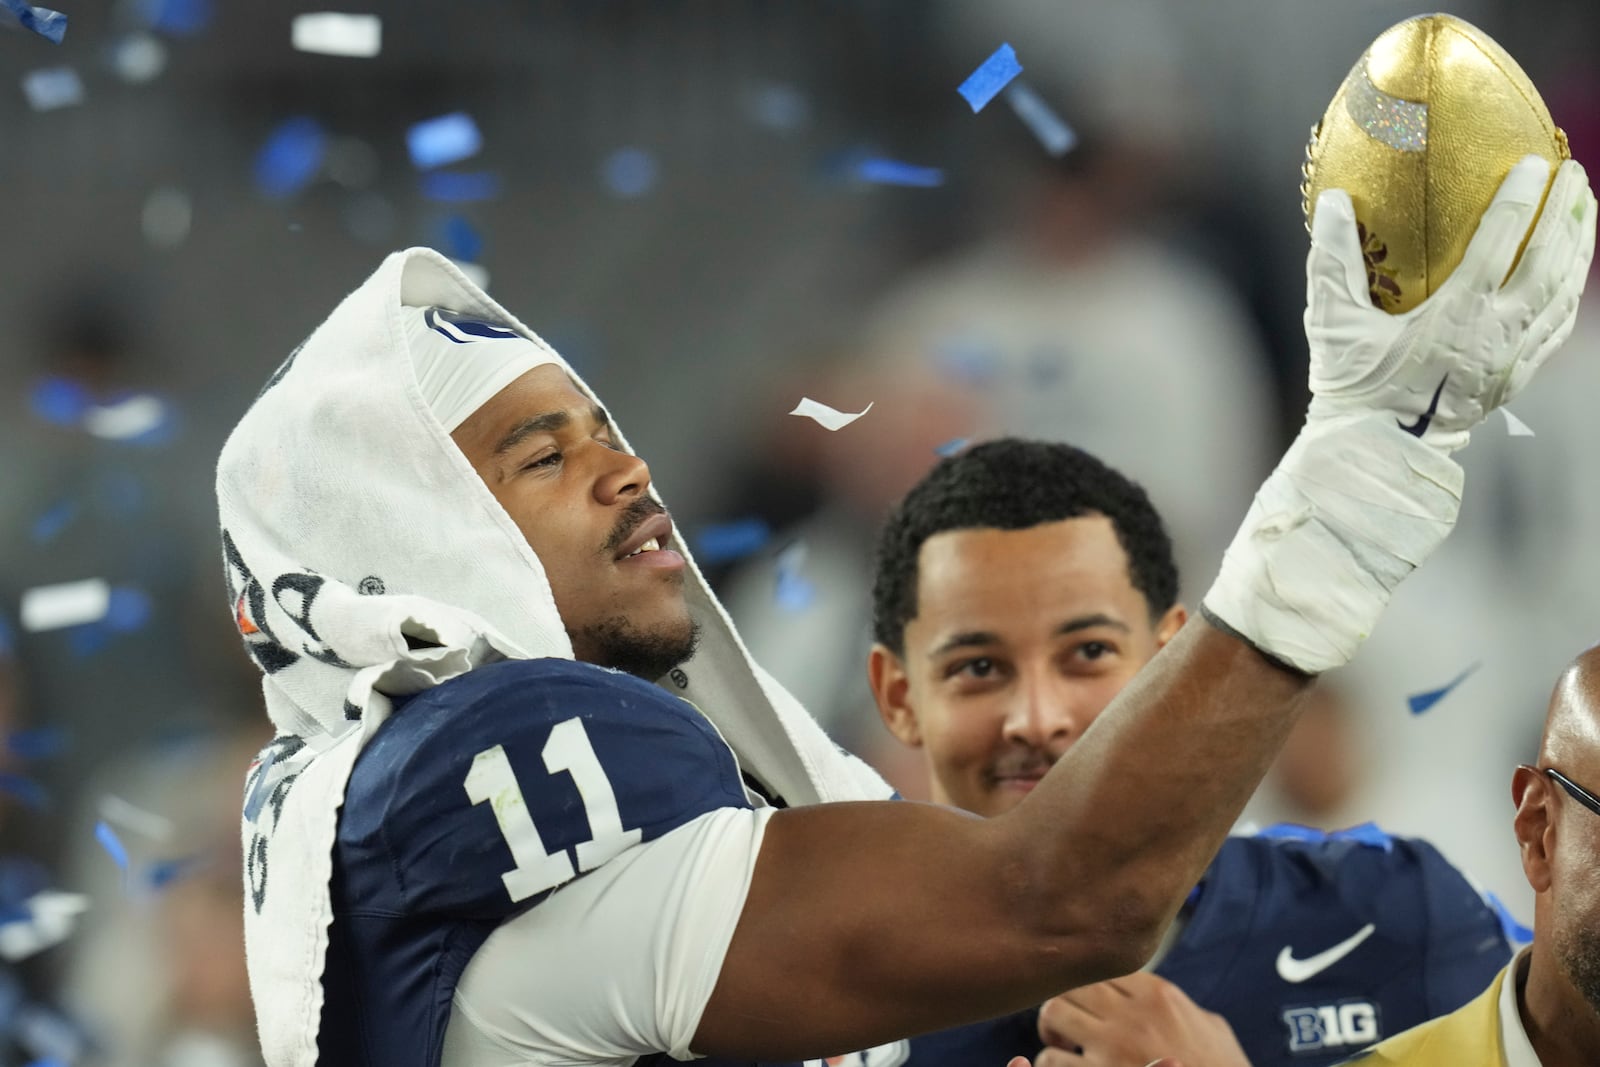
column 633, row 516
column 1027, row 764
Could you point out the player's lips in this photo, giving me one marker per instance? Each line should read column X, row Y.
column 1022, row 783
column 646, row 547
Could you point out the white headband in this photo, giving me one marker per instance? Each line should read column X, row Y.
column 461, row 361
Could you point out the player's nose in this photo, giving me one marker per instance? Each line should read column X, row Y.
column 1043, row 716
column 621, row 476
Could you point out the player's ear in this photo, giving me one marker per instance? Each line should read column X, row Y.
column 1535, row 829
column 1171, row 623
column 891, row 688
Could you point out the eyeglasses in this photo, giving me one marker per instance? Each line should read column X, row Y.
column 1576, row 791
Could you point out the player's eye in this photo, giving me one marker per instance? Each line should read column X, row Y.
column 1092, row 650
column 547, row 461
column 979, row 667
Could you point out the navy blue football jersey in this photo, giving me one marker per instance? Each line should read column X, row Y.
column 468, row 806
column 1314, row 946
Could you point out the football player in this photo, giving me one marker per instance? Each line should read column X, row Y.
column 1020, row 586
column 485, row 837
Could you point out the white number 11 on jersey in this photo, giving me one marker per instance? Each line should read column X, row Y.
column 568, row 749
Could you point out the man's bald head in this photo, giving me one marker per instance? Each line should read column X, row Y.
column 1572, row 724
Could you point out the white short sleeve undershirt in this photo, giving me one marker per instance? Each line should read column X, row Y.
column 615, row 965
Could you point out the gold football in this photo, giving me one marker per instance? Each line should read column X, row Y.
column 1424, row 129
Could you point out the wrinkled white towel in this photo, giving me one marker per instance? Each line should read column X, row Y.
column 350, row 522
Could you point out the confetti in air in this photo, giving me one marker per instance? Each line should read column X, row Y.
column 995, row 74
column 1051, row 131
column 47, row 919
column 109, row 841
column 952, row 446
column 1515, row 426
column 444, row 140
column 459, row 241
column 630, row 172
column 794, row 592
column 893, row 172
column 52, row 88
column 51, row 25
column 460, row 187
column 331, row 33
column 115, row 810
column 132, row 418
column 39, row 743
column 52, row 607
column 1421, row 702
column 729, row 541
column 826, row 417
column 28, row 791
column 291, row 157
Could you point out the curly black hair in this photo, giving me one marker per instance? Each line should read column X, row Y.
column 1012, row 484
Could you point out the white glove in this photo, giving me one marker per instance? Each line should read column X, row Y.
column 1368, row 488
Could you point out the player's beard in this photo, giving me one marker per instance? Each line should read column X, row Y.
column 1577, row 950
column 615, row 643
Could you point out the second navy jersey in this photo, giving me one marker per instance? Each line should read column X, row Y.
column 1315, row 946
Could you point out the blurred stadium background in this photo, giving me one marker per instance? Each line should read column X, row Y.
column 674, row 195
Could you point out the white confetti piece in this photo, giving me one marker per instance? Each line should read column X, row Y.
column 133, row 417
column 331, row 33
column 52, row 87
column 51, row 607
column 1515, row 426
column 166, row 217
column 828, row 418
column 51, row 917
column 119, row 812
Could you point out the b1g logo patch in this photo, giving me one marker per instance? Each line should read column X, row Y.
column 890, row 1055
column 1351, row 1024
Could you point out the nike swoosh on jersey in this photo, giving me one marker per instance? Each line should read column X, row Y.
column 1293, row 970
column 1420, row 427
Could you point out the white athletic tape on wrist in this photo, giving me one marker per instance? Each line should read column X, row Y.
column 1355, row 505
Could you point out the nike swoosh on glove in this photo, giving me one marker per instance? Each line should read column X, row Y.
column 1482, row 339
column 1368, row 489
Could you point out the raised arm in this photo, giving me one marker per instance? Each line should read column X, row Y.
column 868, row 922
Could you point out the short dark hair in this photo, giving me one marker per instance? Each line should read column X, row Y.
column 1013, row 484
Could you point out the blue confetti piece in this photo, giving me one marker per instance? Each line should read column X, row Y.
column 59, row 401
column 630, row 172
column 952, row 446
column 164, row 873
column 459, row 240
column 127, row 610
column 291, row 157
column 181, row 18
column 983, row 84
column 48, row 527
column 8, row 639
column 258, row 791
column 1421, row 702
column 52, row 88
column 30, row 792
column 794, row 591
column 444, row 140
column 42, row 742
column 892, row 172
column 51, row 25
column 460, row 187
column 1048, row 128
column 729, row 541
column 1514, row 931
column 109, row 841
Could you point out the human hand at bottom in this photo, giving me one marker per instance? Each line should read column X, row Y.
column 1133, row 1022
